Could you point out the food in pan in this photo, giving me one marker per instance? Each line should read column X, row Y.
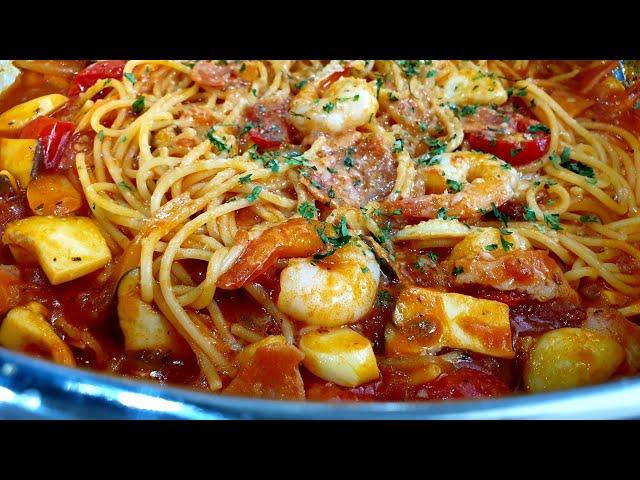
column 360, row 230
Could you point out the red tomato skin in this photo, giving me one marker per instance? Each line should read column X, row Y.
column 53, row 135
column 526, row 150
column 94, row 72
column 464, row 383
column 270, row 126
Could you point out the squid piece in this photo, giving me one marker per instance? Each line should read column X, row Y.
column 143, row 326
column 341, row 356
column 66, row 248
column 26, row 326
column 17, row 117
column 425, row 321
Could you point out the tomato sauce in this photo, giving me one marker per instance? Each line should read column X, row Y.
column 88, row 303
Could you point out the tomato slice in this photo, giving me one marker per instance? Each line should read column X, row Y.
column 94, row 72
column 270, row 129
column 516, row 149
column 464, row 383
column 53, row 135
column 510, row 136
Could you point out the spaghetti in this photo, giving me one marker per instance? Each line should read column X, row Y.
column 187, row 164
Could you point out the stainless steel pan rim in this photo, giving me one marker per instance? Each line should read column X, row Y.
column 33, row 388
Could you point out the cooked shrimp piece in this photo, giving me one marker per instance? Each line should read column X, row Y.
column 463, row 184
column 471, row 85
column 345, row 105
column 297, row 237
column 504, row 262
column 336, row 290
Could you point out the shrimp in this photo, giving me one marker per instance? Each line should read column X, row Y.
column 505, row 262
column 347, row 104
column 336, row 290
column 297, row 237
column 471, row 182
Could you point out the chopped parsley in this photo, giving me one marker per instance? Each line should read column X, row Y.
column 329, row 106
column 576, row 167
column 138, row 105
column 436, row 147
column 491, row 247
column 131, row 77
column 457, row 271
column 307, row 210
column 428, row 161
column 219, row 144
column 301, row 84
column 442, row 214
column 590, row 219
column 397, row 211
column 515, row 151
column 124, row 186
column 539, row 127
column 411, row 68
column 520, row 92
column 454, row 185
column 101, row 135
column 398, row 146
column 433, row 256
column 254, row 194
column 340, row 240
column 553, row 221
column 506, row 246
column 529, row 215
column 245, row 179
column 347, row 160
column 383, row 299
column 332, row 194
column 467, row 110
column 499, row 215
column 379, row 83
column 246, row 128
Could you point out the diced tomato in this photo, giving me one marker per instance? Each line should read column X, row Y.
column 516, row 149
column 272, row 373
column 270, row 129
column 510, row 136
column 10, row 284
column 510, row 297
column 532, row 317
column 209, row 74
column 464, row 383
column 53, row 135
column 94, row 72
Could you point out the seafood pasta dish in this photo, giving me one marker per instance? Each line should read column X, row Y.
column 346, row 230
